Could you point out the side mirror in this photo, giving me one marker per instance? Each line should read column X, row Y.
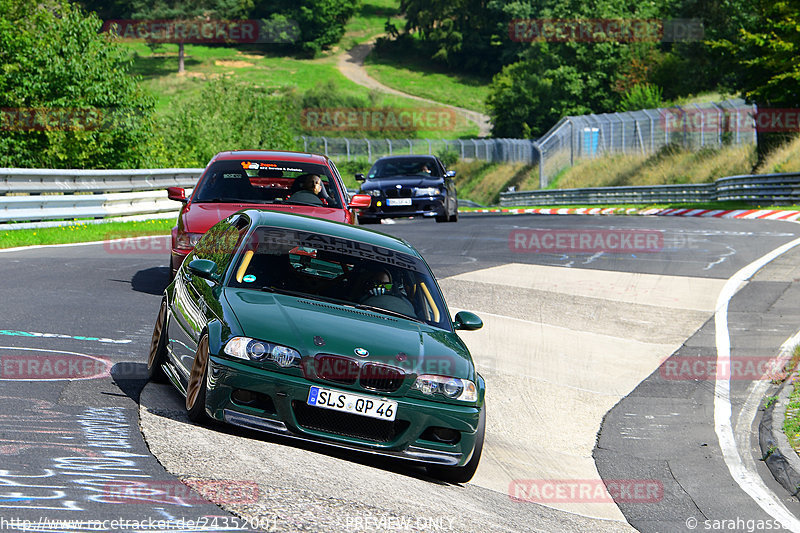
column 360, row 201
column 177, row 193
column 204, row 268
column 360, row 177
column 468, row 321
column 450, row 174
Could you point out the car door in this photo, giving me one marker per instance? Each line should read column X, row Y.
column 196, row 299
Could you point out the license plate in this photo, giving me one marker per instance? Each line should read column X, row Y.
column 352, row 403
column 398, row 201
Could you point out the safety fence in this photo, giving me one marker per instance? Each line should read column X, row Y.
column 53, row 194
column 766, row 189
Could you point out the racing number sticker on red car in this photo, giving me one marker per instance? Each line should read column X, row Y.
column 352, row 403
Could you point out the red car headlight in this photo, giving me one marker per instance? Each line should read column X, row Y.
column 187, row 241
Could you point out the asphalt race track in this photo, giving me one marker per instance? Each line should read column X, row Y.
column 590, row 356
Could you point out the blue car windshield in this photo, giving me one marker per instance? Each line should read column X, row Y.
column 341, row 271
column 405, row 166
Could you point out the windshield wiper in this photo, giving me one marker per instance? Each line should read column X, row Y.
column 233, row 201
column 295, row 202
column 386, row 312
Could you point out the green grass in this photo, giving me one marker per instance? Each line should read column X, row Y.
column 272, row 72
column 791, row 423
column 82, row 232
column 370, row 21
column 411, row 74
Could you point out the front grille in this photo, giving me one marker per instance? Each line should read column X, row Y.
column 336, row 368
column 381, row 377
column 347, row 424
column 394, row 192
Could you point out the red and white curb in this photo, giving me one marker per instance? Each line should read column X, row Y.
column 771, row 214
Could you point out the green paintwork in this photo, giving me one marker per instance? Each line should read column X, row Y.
column 200, row 301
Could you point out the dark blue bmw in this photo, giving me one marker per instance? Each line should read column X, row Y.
column 409, row 186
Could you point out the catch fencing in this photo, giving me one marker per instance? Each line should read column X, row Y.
column 493, row 150
column 769, row 189
column 644, row 132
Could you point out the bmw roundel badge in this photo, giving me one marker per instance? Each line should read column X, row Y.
column 361, row 352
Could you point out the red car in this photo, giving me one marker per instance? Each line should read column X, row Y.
column 292, row 182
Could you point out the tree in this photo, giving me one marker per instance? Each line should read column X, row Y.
column 321, row 22
column 766, row 59
column 66, row 95
column 188, row 11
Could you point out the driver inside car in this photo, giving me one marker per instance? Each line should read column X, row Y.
column 309, row 192
column 379, row 291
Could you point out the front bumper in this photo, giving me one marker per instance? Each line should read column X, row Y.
column 420, row 206
column 283, row 412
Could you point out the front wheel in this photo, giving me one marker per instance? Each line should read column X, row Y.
column 158, row 347
column 196, row 389
column 462, row 474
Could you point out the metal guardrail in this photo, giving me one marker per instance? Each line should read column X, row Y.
column 772, row 189
column 53, row 194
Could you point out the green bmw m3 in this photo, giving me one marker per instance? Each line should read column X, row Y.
column 325, row 332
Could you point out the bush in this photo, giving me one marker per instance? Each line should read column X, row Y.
column 641, row 96
column 226, row 116
column 56, row 66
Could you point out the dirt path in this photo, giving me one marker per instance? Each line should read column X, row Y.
column 351, row 64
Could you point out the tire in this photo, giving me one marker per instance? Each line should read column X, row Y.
column 453, row 217
column 442, row 218
column 364, row 221
column 158, row 347
column 196, row 389
column 462, row 474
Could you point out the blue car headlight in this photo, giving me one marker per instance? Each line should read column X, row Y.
column 255, row 350
column 427, row 191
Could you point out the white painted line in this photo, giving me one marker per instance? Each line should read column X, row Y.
column 17, row 333
column 89, row 243
column 748, row 480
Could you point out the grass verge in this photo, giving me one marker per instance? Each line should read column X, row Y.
column 82, row 232
column 791, row 423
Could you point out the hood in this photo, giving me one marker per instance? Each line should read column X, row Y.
column 404, row 181
column 199, row 217
column 295, row 322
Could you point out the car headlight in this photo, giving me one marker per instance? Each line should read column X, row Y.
column 374, row 192
column 453, row 388
column 255, row 350
column 187, row 241
column 427, row 191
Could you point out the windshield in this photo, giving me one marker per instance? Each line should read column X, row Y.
column 267, row 182
column 340, row 271
column 406, row 166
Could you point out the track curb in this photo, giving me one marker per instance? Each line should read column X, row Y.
column 779, row 456
column 750, row 214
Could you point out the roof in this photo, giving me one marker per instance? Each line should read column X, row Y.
column 264, row 217
column 274, row 155
column 408, row 156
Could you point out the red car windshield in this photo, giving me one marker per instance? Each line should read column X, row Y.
column 267, row 182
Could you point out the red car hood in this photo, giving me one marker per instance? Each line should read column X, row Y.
column 198, row 218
